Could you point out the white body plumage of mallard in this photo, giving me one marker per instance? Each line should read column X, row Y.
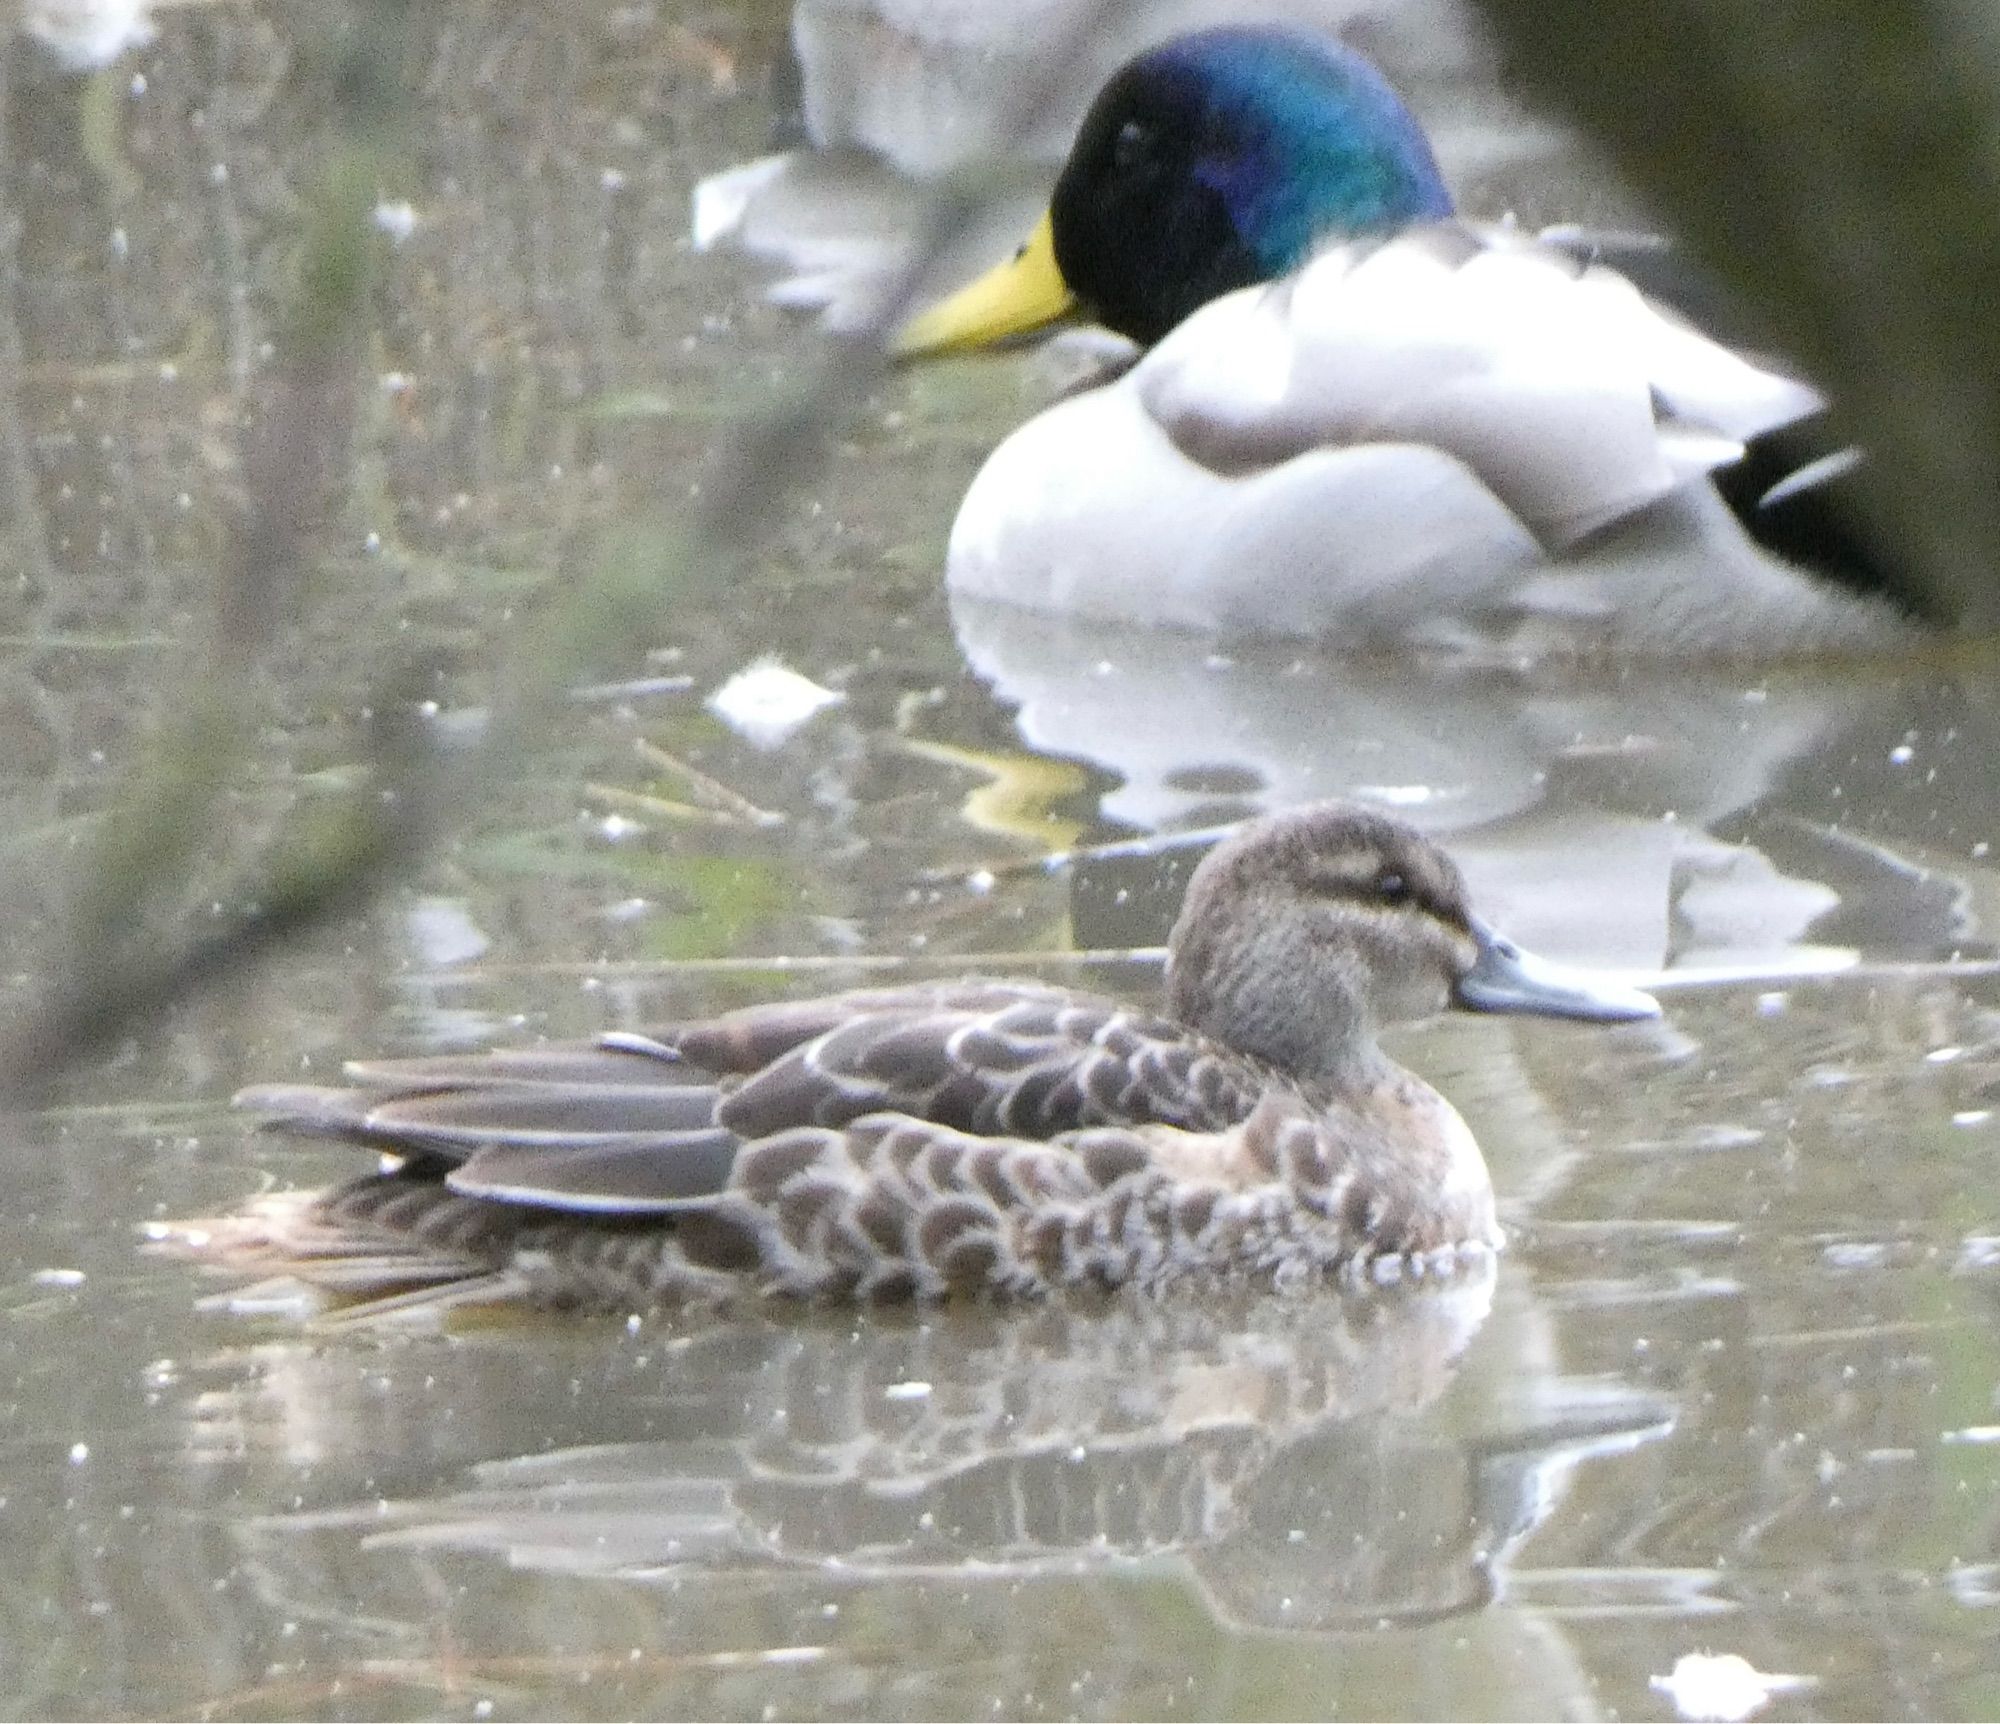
column 1455, row 437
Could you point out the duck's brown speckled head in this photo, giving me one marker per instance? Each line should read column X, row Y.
column 1309, row 929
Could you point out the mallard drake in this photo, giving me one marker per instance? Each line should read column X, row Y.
column 998, row 1136
column 1359, row 416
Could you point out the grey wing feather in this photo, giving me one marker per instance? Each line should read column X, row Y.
column 617, row 1129
column 643, row 1174
column 456, row 1121
column 552, row 1116
column 622, row 1060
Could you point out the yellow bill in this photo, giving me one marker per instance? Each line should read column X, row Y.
column 1025, row 293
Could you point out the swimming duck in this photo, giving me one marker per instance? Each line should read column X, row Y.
column 1360, row 416
column 979, row 1136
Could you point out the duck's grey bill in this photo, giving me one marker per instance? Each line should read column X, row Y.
column 1507, row 979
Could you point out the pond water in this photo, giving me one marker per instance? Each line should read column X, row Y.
column 1735, row 1389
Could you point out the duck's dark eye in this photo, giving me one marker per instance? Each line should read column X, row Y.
column 1391, row 887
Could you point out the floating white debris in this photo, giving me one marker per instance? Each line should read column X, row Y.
column 766, row 701
column 1979, row 1251
column 58, row 1278
column 1975, row 1585
column 790, row 1655
column 633, row 688
column 910, row 1391
column 1722, row 1135
column 397, row 220
column 1724, row 1689
column 443, row 932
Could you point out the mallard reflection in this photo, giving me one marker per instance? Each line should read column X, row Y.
column 1550, row 788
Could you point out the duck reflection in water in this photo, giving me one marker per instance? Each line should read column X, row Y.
column 1304, row 1462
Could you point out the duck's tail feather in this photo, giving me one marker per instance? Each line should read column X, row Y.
column 319, row 1263
column 309, row 1110
column 1796, row 488
column 1797, row 493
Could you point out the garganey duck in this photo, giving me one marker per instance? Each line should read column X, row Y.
column 991, row 1136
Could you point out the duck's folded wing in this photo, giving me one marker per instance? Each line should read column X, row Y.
column 1029, row 1063
column 642, row 1124
column 621, row 1090
column 1572, row 397
column 637, row 1123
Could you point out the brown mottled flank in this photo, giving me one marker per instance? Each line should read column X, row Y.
column 980, row 1136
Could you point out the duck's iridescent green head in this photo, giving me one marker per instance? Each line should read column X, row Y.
column 1222, row 159
column 1211, row 162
